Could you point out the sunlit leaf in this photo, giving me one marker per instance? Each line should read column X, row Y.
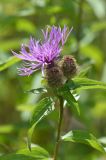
column 54, row 9
column 85, row 83
column 26, row 12
column 65, row 92
column 25, row 25
column 37, row 90
column 72, row 104
column 36, row 152
column 68, row 96
column 99, row 110
column 83, row 137
column 94, row 53
column 7, row 45
column 42, row 109
column 24, row 107
column 22, row 157
column 87, row 39
column 98, row 7
column 6, row 128
column 102, row 140
column 40, row 3
column 16, row 157
column 8, row 63
column 83, row 72
column 98, row 26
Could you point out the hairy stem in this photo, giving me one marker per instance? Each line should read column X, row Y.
column 59, row 129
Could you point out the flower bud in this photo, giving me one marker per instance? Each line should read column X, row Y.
column 68, row 66
column 54, row 76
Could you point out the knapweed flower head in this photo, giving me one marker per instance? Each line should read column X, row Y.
column 69, row 66
column 54, row 76
column 37, row 53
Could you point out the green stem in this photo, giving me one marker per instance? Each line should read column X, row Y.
column 59, row 129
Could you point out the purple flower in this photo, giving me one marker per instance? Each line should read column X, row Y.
column 38, row 54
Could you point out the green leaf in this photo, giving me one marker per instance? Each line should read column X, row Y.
column 102, row 140
column 12, row 60
column 94, row 53
column 85, row 83
column 68, row 96
column 83, row 72
column 42, row 109
column 75, row 108
column 98, row 7
column 37, row 91
column 63, row 91
column 98, row 26
column 54, row 9
column 6, row 128
column 16, row 157
column 24, row 108
column 37, row 152
column 6, row 45
column 83, row 137
column 25, row 25
column 26, row 12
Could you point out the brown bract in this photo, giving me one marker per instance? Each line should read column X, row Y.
column 54, row 76
column 68, row 66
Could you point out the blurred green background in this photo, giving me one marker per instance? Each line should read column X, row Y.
column 20, row 19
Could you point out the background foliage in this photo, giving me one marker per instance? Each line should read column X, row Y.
column 19, row 19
